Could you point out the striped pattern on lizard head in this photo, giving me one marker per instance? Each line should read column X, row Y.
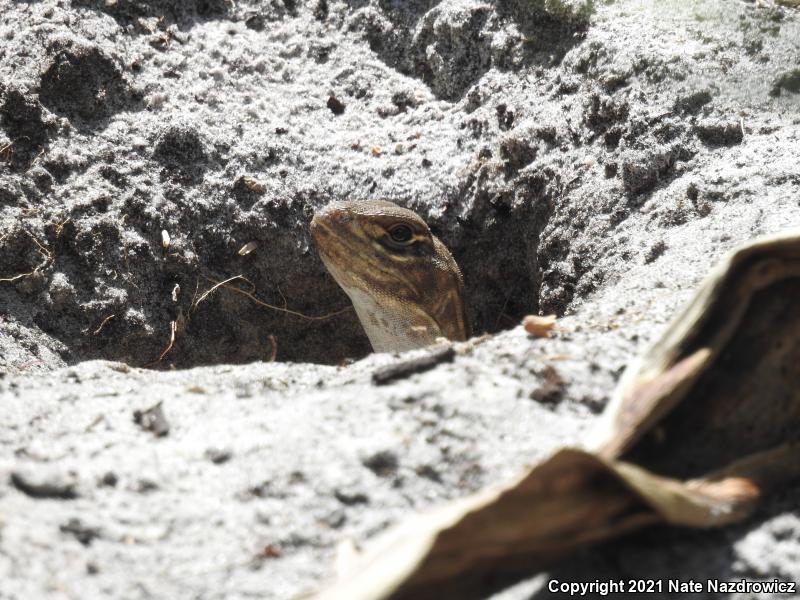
column 404, row 283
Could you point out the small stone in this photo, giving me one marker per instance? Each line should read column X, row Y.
column 83, row 533
column 255, row 22
column 350, row 498
column 152, row 419
column 655, row 251
column 110, row 479
column 144, row 486
column 218, row 455
column 382, row 463
column 539, row 326
column 335, row 105
column 53, row 487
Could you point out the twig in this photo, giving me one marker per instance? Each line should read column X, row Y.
column 7, row 151
column 261, row 302
column 60, row 226
column 196, row 288
column 503, row 308
column 173, row 327
column 45, row 251
column 274, row 351
column 48, row 256
column 103, row 324
column 97, row 420
column 36, row 158
column 411, row 366
column 217, row 285
column 20, row 276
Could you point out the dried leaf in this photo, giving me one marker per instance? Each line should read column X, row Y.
column 702, row 426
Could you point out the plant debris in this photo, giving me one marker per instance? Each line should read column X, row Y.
column 413, row 366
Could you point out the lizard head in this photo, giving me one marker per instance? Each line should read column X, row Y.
column 403, row 282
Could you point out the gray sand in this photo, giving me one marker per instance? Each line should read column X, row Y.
column 592, row 160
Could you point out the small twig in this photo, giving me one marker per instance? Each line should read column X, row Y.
column 324, row 317
column 20, row 276
column 285, row 303
column 36, row 158
column 261, row 302
column 274, row 351
column 48, row 256
column 411, row 366
column 173, row 327
column 209, row 291
column 97, row 420
column 60, row 226
column 196, row 289
column 45, row 251
column 7, row 151
column 103, row 324
column 503, row 308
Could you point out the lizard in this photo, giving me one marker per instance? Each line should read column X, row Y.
column 405, row 286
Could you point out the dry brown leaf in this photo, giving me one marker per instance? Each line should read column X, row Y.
column 704, row 424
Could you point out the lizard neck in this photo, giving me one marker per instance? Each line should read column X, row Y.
column 390, row 327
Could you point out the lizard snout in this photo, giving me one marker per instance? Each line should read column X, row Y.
column 329, row 218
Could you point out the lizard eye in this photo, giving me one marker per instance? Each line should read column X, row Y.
column 401, row 234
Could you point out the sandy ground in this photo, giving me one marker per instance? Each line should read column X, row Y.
column 588, row 159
